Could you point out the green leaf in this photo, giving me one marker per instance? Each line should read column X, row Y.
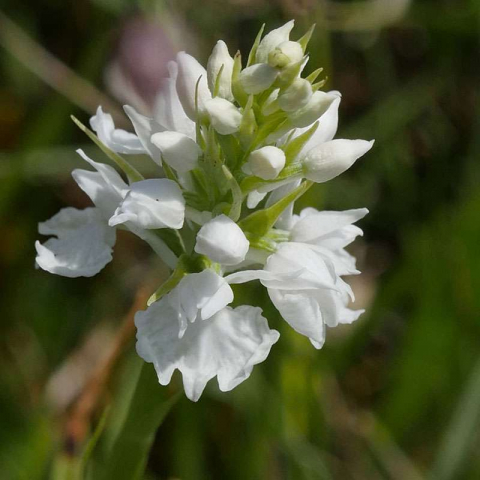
column 294, row 147
column 130, row 171
column 459, row 437
column 253, row 51
column 237, row 194
column 260, row 222
column 147, row 410
column 238, row 92
column 306, row 38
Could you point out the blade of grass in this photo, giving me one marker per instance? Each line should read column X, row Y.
column 129, row 454
column 459, row 437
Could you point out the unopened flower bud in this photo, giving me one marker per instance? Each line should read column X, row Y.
column 296, row 96
column 178, row 150
column 317, row 105
column 257, row 78
column 224, row 116
column 223, row 241
column 266, row 162
column 330, row 159
column 285, row 54
column 218, row 59
column 272, row 40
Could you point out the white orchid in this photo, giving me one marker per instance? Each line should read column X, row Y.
column 221, row 139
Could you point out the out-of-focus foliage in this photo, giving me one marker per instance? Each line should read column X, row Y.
column 397, row 396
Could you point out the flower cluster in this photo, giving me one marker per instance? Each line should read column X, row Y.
column 235, row 148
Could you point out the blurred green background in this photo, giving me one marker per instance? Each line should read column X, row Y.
column 395, row 396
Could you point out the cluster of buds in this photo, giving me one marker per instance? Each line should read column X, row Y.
column 235, row 147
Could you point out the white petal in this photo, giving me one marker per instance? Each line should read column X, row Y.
column 257, row 78
column 326, row 130
column 83, row 245
column 313, row 225
column 330, row 159
column 266, row 162
column 189, row 73
column 254, row 198
column 106, row 188
column 116, row 139
column 199, row 295
column 227, row 345
column 145, row 127
column 302, row 312
column 169, row 112
column 272, row 40
column 296, row 96
column 218, row 59
column 298, row 257
column 225, row 117
column 317, row 106
column 153, row 203
column 223, row 241
column 178, row 150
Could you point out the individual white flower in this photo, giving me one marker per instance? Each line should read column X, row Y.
column 223, row 241
column 152, row 203
column 272, row 40
column 303, row 275
column 107, row 190
column 83, row 243
column 296, row 96
column 224, row 115
column 220, row 59
column 304, row 287
column 266, row 162
column 178, row 150
column 330, row 159
column 285, row 53
column 257, row 78
column 192, row 78
column 199, row 295
column 115, row 139
column 227, row 346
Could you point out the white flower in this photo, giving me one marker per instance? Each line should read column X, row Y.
column 153, row 203
column 296, row 96
column 266, row 162
column 223, row 241
column 285, row 53
column 178, row 150
column 83, row 245
column 199, row 295
column 257, row 78
column 227, row 345
column 303, row 279
column 116, row 139
column 218, row 59
column 224, row 115
column 330, row 159
column 191, row 73
column 272, row 40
